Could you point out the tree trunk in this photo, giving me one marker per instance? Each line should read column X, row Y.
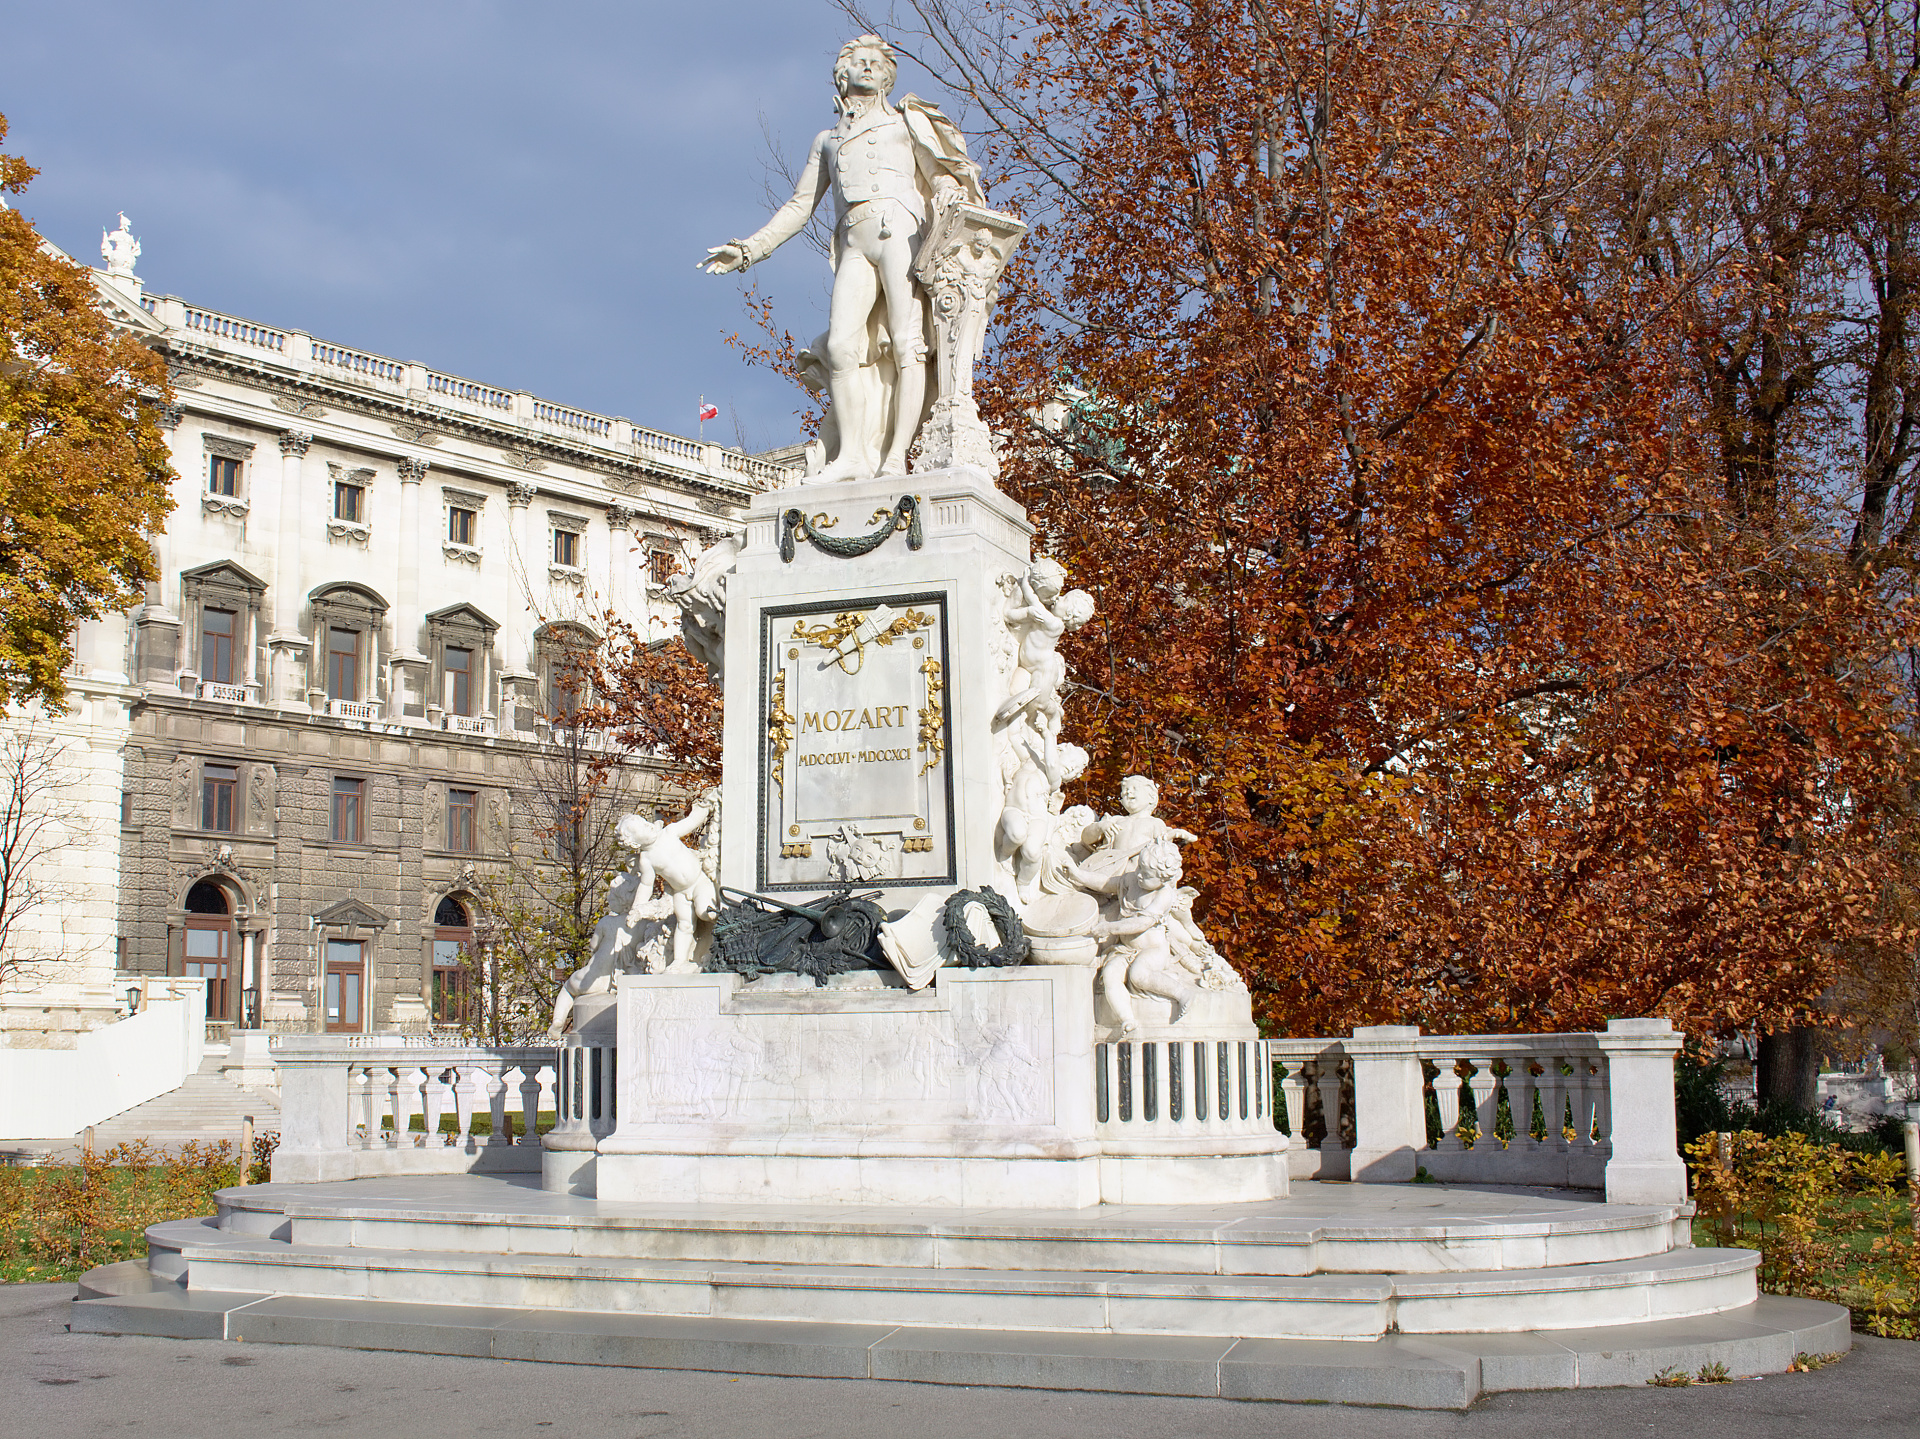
column 1787, row 1069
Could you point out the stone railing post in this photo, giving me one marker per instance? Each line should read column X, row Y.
column 313, row 1118
column 1645, row 1166
column 1389, row 1117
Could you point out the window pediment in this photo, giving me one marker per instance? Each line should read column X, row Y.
column 227, row 447
column 351, row 914
column 455, row 618
column 222, row 575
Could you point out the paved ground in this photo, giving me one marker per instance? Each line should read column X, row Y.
column 55, row 1384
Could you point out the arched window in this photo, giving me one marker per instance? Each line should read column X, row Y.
column 208, row 951
column 452, row 937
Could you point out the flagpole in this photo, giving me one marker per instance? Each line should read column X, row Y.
column 702, row 412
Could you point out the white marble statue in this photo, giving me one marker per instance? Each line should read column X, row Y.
column 1113, row 842
column 1039, row 614
column 630, row 938
column 701, row 593
column 893, row 171
column 1143, row 949
column 119, row 248
column 1032, row 810
column 686, row 881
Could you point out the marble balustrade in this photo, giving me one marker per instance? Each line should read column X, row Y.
column 1584, row 1110
column 348, row 1103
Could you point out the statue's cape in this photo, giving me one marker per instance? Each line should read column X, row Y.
column 942, row 144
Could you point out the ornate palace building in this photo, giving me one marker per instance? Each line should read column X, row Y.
column 295, row 758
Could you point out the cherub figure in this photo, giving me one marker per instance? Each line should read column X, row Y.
column 1115, row 840
column 1136, row 933
column 1041, row 614
column 631, row 922
column 680, row 873
column 1033, row 803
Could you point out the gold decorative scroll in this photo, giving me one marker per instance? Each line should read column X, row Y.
column 779, row 727
column 828, row 637
column 931, row 744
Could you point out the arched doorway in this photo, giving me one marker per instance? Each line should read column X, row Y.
column 208, row 952
column 452, row 938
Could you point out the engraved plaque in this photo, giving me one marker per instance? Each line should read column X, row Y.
column 855, row 775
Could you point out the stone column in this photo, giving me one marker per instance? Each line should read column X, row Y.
column 519, row 496
column 409, row 681
column 1389, row 1116
column 620, row 583
column 286, row 685
column 1645, row 1166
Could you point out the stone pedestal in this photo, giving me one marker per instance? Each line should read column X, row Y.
column 831, row 731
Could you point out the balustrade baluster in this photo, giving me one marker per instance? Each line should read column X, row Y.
column 1603, row 1104
column 495, row 1079
column 359, row 1125
column 1293, row 1090
column 1486, row 1105
column 1553, row 1102
column 436, row 1091
column 465, row 1082
column 1446, row 1098
column 530, row 1102
column 1584, row 1094
column 398, row 1105
column 1327, row 1069
column 411, row 1091
column 1520, row 1092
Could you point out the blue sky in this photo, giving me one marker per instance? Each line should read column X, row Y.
column 515, row 193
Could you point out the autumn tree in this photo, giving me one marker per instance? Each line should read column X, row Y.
column 1431, row 585
column 84, row 466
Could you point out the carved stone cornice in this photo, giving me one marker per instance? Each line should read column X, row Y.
column 295, row 442
column 521, row 495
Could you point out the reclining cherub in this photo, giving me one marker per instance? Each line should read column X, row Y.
column 1138, row 934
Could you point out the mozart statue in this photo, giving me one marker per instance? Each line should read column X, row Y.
column 895, row 172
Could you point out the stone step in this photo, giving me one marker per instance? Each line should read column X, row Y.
column 1507, row 1232
column 1426, row 1372
column 205, row 1107
column 1343, row 1306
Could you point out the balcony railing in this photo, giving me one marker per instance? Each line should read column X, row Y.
column 229, row 694
column 353, row 709
column 470, row 724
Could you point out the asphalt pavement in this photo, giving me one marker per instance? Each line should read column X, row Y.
column 55, row 1384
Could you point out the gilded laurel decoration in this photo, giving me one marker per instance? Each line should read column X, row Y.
column 932, row 717
column 779, row 727
column 829, row 637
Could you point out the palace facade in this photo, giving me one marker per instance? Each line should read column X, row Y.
column 291, row 765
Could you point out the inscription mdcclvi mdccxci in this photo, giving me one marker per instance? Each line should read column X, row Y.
column 855, row 785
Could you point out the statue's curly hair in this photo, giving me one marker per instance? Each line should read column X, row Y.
column 843, row 63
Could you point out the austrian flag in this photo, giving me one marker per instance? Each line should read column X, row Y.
column 709, row 412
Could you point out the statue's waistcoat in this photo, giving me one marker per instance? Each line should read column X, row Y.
column 874, row 160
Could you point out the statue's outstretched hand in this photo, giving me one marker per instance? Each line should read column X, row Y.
column 724, row 259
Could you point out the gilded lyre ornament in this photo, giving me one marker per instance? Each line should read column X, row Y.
column 931, row 718
column 878, row 626
column 779, row 727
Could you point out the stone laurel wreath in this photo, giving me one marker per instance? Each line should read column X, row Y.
column 905, row 514
column 968, row 952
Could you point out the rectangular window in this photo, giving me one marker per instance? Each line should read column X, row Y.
column 463, row 805
column 216, row 796
column 450, row 991
column 216, row 646
column 660, row 565
column 459, row 681
column 346, row 977
column 460, row 526
column 223, row 475
column 349, row 502
column 566, row 548
column 349, row 804
column 126, row 806
column 343, row 664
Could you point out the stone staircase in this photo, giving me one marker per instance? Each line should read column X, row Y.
column 205, row 1107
